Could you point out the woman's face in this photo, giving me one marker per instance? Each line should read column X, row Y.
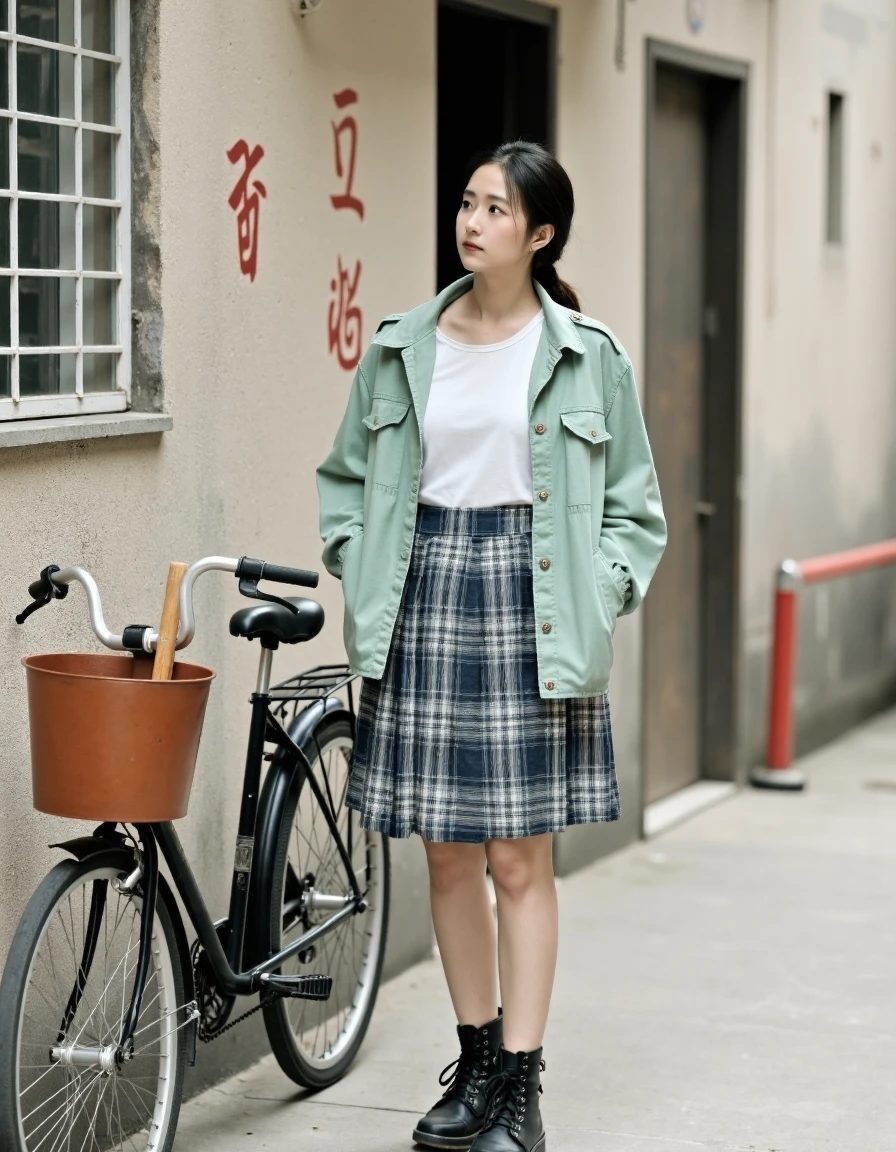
column 490, row 236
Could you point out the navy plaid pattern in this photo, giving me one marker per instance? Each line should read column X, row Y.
column 454, row 742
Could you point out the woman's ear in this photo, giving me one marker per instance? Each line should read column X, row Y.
column 541, row 237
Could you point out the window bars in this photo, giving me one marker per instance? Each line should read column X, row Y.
column 64, row 207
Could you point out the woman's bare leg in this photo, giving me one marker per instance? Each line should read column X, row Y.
column 523, row 875
column 465, row 929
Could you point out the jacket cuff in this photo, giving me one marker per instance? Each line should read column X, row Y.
column 622, row 582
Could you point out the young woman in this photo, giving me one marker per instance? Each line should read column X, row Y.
column 491, row 507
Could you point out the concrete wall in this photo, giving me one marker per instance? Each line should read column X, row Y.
column 820, row 459
column 819, row 361
column 256, row 395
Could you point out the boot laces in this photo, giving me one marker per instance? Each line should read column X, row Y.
column 470, row 1072
column 506, row 1100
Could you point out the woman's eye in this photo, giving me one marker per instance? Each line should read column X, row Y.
column 495, row 208
column 465, row 203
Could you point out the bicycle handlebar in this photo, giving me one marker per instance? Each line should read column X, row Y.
column 54, row 582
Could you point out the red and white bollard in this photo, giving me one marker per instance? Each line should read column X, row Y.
column 778, row 772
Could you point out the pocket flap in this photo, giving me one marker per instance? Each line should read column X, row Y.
column 587, row 423
column 385, row 411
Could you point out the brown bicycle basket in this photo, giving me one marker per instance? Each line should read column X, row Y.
column 109, row 743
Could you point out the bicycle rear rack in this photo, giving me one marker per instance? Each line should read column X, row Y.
column 317, row 683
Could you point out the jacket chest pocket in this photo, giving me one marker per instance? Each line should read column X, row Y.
column 386, row 443
column 584, row 438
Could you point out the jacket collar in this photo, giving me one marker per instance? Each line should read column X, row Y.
column 421, row 321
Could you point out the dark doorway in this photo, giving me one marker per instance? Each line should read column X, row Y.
column 694, row 203
column 495, row 83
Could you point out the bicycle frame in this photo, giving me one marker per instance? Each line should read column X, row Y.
column 227, row 962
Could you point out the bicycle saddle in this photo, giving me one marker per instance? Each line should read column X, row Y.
column 273, row 624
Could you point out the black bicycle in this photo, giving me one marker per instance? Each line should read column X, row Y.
column 103, row 999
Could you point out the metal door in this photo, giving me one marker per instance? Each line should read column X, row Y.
column 676, row 243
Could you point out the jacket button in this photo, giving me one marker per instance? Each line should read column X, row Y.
column 545, row 563
column 543, row 495
column 376, row 419
column 593, row 432
column 549, row 685
column 546, row 627
column 539, row 428
column 575, row 316
column 404, row 554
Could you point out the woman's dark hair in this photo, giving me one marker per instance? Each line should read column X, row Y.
column 539, row 187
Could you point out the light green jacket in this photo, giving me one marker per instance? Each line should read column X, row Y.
column 598, row 530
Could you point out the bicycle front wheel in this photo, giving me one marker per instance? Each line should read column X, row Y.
column 316, row 1041
column 64, row 996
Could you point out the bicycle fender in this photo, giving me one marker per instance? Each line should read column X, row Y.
column 83, row 846
column 274, row 793
column 305, row 722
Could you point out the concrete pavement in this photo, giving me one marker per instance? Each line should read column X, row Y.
column 729, row 985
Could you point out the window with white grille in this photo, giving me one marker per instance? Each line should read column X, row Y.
column 64, row 195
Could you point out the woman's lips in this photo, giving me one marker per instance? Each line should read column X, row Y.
column 472, row 247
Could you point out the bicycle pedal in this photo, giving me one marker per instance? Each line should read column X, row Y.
column 300, row 987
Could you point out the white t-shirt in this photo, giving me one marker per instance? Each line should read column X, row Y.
column 476, row 423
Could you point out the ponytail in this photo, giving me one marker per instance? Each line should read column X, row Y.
column 546, row 275
column 541, row 187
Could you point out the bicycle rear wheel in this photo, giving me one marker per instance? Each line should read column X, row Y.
column 316, row 1041
column 65, row 993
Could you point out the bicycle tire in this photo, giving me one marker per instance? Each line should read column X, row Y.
column 138, row 1088
column 287, row 1026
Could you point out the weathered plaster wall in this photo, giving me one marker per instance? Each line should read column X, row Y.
column 256, row 396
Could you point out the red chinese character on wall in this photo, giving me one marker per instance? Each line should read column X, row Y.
column 345, row 317
column 246, row 204
column 345, row 170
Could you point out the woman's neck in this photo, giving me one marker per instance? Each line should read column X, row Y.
column 492, row 310
column 494, row 300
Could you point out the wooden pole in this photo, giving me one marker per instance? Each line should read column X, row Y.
column 164, row 661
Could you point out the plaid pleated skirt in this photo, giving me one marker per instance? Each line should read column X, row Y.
column 454, row 742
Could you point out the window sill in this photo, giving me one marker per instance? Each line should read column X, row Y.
column 56, row 429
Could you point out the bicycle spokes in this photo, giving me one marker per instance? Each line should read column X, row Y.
column 75, row 1087
column 316, row 885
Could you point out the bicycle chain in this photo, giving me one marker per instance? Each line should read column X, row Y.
column 263, row 1003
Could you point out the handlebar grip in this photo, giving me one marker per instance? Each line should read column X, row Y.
column 299, row 576
column 256, row 570
column 44, row 589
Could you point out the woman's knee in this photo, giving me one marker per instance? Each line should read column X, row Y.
column 516, row 866
column 454, row 865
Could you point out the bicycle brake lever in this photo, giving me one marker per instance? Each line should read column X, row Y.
column 32, row 607
column 42, row 591
column 249, row 588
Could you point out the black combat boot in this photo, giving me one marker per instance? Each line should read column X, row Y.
column 455, row 1119
column 513, row 1120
